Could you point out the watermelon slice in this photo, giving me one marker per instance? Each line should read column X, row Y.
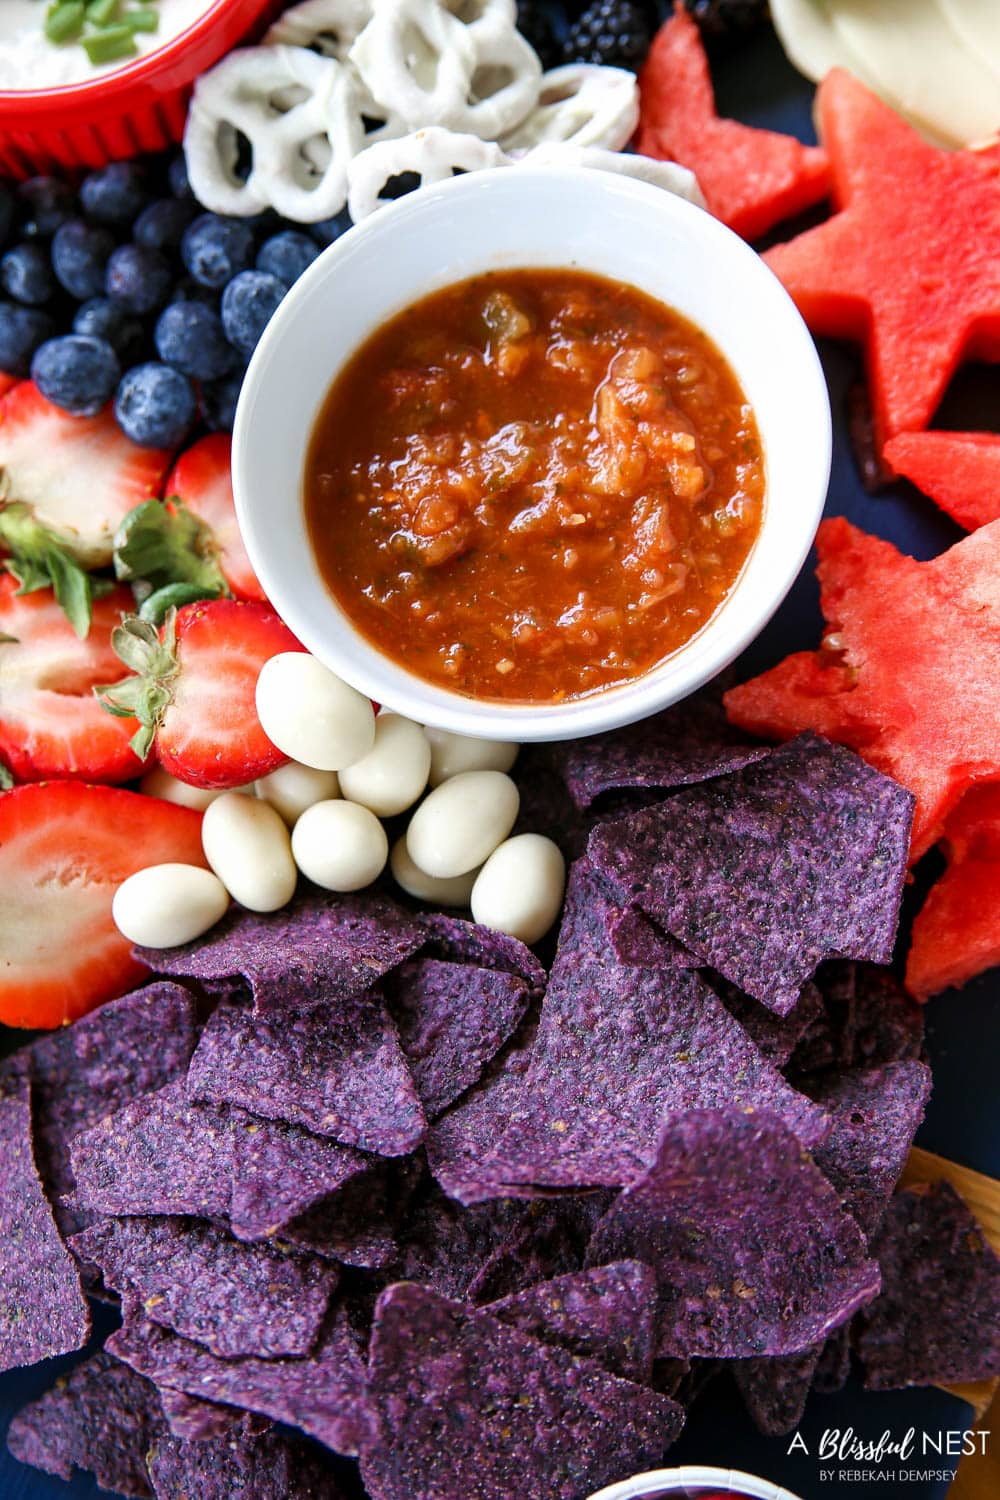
column 751, row 179
column 908, row 673
column 959, row 470
column 957, row 933
column 910, row 265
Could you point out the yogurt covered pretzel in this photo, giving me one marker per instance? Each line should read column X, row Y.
column 583, row 104
column 301, row 116
column 434, row 154
column 329, row 27
column 668, row 175
column 462, row 64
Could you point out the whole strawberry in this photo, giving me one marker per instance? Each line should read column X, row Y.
column 194, row 686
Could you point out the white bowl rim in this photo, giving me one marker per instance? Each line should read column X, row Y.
column 712, row 649
column 640, row 1485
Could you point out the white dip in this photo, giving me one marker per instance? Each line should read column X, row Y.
column 28, row 60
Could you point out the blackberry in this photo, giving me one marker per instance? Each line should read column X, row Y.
column 616, row 33
column 534, row 22
column 721, row 21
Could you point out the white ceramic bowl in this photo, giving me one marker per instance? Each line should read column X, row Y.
column 522, row 217
column 692, row 1477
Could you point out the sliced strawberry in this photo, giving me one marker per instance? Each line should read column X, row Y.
column 65, row 847
column 50, row 722
column 202, row 478
column 195, row 689
column 78, row 476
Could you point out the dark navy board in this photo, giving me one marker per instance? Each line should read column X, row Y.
column 758, row 86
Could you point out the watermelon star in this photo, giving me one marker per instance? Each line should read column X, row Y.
column 956, row 934
column 909, row 265
column 908, row 673
column 959, row 470
column 751, row 179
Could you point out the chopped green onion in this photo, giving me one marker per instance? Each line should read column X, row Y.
column 64, row 21
column 109, row 45
column 102, row 12
column 141, row 20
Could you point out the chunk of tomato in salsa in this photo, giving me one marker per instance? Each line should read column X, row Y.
column 534, row 484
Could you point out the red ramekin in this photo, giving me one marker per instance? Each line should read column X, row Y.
column 138, row 107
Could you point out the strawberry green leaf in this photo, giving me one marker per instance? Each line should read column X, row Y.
column 39, row 560
column 151, row 656
column 162, row 542
column 6, row 777
column 171, row 596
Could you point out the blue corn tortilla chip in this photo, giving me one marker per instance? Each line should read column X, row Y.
column 279, row 1171
column 606, row 1314
column 867, row 1020
column 833, row 1368
column 462, row 942
column 465, row 1406
column 443, row 1246
column 83, row 1072
column 42, row 1307
column 195, row 1420
column 323, row 1394
column 356, row 1225
column 937, row 1321
column 640, row 943
column 320, row 949
column 775, row 1391
column 774, row 1036
column 254, row 1466
column 194, row 1278
column 161, row 1154
column 618, row 1051
column 766, row 872
column 457, row 1142
column 875, row 1114
column 752, row 1251
column 452, row 1019
column 339, row 1071
column 548, row 1238
column 690, row 743
column 100, row 1417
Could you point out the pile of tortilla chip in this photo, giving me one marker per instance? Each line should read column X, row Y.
column 907, row 674
column 380, row 1197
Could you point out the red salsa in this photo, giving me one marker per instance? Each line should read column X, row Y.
column 534, row 484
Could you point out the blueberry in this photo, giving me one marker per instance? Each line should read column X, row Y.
column 328, row 230
column 189, row 336
column 137, row 278
column 115, row 194
column 79, row 256
column 22, row 329
column 248, row 305
column 77, row 373
column 218, row 401
column 45, row 204
column 26, row 274
column 101, row 319
column 215, row 249
column 286, row 255
column 8, row 212
column 161, row 226
column 155, row 406
column 177, row 177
